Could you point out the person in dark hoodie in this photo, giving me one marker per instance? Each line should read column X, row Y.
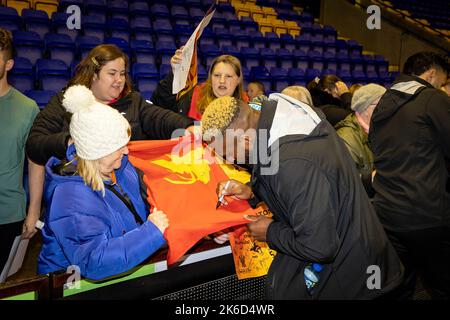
column 410, row 138
column 331, row 95
column 304, row 173
column 104, row 72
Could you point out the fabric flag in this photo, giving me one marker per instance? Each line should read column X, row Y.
column 181, row 179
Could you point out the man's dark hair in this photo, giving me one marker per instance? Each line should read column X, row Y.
column 6, row 45
column 421, row 62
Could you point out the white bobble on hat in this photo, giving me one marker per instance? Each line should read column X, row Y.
column 97, row 129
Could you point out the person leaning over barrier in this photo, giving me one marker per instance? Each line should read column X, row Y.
column 96, row 217
column 308, row 180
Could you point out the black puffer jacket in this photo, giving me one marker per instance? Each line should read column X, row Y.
column 321, row 211
column 50, row 131
column 410, row 138
column 162, row 96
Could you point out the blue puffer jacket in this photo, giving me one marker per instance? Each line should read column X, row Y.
column 98, row 234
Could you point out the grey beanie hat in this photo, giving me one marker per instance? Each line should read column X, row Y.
column 365, row 95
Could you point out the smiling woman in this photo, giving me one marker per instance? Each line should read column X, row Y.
column 104, row 72
column 225, row 78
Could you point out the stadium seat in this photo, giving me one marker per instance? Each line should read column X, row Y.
column 59, row 24
column 37, row 21
column 250, row 57
column 280, row 78
column 84, row 44
column 60, row 47
column 119, row 28
column 143, row 51
column 28, row 44
column 94, row 26
column 52, row 74
column 268, row 57
column 261, row 74
column 285, row 58
column 10, row 17
column 41, row 97
column 21, row 76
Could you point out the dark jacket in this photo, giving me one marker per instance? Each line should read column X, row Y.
column 321, row 211
column 97, row 233
column 50, row 131
column 335, row 110
column 410, row 137
column 162, row 96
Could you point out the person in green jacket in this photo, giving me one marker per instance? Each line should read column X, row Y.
column 354, row 129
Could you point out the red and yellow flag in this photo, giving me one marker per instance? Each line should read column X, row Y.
column 183, row 185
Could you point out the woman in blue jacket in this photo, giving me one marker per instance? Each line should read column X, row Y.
column 96, row 217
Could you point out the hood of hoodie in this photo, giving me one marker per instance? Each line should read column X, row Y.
column 53, row 179
column 286, row 119
column 404, row 89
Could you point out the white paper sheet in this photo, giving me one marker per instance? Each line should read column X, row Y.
column 15, row 258
column 181, row 71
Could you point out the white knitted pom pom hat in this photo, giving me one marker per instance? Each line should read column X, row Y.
column 97, row 129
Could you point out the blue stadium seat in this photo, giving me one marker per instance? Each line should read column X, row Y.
column 303, row 42
column 63, row 4
column 354, row 47
column 164, row 69
column 142, row 28
column 179, row 13
column 280, row 79
column 41, row 97
column 268, row 58
column 341, row 46
column 60, row 47
column 37, row 21
column 357, row 62
column 359, row 76
column 231, row 50
column 52, row 74
column 249, row 25
column 28, row 44
column 259, row 41
column 316, row 60
column 288, row 42
column 272, row 40
column 210, row 52
column 118, row 9
column 165, row 50
column 10, row 17
column 250, row 56
column 21, row 76
column 261, row 74
column 95, row 6
column 145, row 76
column 381, row 64
column 160, row 10
column 372, row 77
column 285, row 58
column 242, row 39
column 121, row 43
column 163, row 29
column 59, row 24
column 202, row 74
column 94, row 26
column 326, row 72
column 217, row 21
column 345, row 75
column 297, row 76
column 311, row 74
column 139, row 8
column 84, row 44
column 223, row 37
column 118, row 28
column 343, row 61
column 143, row 51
